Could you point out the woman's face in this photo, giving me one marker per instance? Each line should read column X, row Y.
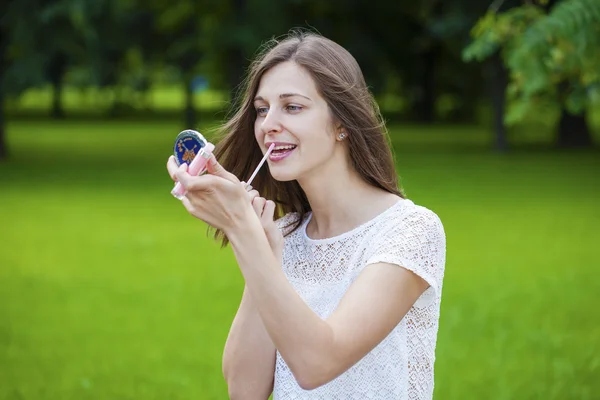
column 293, row 115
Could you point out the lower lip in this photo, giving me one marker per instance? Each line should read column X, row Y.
column 280, row 155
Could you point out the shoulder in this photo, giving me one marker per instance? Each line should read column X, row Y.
column 412, row 237
column 412, row 218
column 421, row 217
column 410, row 225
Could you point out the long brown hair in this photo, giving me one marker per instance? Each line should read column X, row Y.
column 340, row 81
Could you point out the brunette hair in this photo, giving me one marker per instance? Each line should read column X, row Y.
column 340, row 81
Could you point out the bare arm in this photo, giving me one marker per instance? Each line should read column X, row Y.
column 249, row 355
column 317, row 350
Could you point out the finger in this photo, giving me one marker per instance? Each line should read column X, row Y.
column 183, row 177
column 268, row 213
column 217, row 169
column 258, row 204
column 246, row 187
column 187, row 204
column 252, row 195
column 172, row 167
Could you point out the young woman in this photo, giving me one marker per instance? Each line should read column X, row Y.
column 343, row 273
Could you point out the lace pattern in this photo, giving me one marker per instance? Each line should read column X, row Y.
column 321, row 271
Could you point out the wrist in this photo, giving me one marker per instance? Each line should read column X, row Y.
column 247, row 224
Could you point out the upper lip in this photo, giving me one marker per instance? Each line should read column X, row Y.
column 277, row 144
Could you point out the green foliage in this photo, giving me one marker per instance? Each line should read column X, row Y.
column 78, row 31
column 550, row 56
column 22, row 63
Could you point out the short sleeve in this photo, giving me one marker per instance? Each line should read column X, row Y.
column 414, row 240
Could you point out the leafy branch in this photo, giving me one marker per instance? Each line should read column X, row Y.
column 550, row 55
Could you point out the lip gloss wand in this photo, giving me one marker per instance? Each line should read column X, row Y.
column 247, row 184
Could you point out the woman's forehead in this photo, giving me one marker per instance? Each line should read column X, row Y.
column 284, row 79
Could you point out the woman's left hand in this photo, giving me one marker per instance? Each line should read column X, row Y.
column 265, row 210
column 217, row 198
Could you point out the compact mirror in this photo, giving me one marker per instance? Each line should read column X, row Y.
column 187, row 145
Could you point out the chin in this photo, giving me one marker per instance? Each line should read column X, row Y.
column 283, row 177
column 283, row 174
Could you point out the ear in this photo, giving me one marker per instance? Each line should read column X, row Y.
column 340, row 131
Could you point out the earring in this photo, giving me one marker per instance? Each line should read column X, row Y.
column 341, row 136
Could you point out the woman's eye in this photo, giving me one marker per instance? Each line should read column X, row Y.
column 262, row 111
column 294, row 108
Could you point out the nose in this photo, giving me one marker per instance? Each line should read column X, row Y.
column 271, row 123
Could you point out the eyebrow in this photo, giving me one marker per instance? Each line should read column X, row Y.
column 283, row 96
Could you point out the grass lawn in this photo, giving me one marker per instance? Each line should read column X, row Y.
column 110, row 290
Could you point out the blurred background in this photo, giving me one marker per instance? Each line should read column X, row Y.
column 110, row 290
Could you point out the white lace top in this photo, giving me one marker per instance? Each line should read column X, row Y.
column 401, row 366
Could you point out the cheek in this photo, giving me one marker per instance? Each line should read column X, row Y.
column 258, row 133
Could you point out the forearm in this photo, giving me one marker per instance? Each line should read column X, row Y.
column 249, row 355
column 304, row 340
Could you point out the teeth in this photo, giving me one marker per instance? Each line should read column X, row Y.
column 291, row 146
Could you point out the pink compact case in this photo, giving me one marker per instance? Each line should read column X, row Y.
column 194, row 150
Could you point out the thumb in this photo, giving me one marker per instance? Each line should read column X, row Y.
column 267, row 220
column 214, row 168
column 268, row 215
column 182, row 175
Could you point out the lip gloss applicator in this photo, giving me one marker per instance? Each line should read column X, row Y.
column 271, row 147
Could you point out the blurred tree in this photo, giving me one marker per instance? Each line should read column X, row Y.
column 469, row 84
column 20, row 65
column 55, row 73
column 494, row 72
column 3, row 68
column 44, row 43
column 196, row 38
column 57, row 39
column 412, row 50
column 47, row 37
column 145, row 55
column 552, row 56
column 243, row 31
column 179, row 37
column 106, row 28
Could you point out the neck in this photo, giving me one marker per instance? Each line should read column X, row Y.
column 343, row 203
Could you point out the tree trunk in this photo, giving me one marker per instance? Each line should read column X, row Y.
column 499, row 81
column 56, row 72
column 3, row 67
column 424, row 107
column 3, row 146
column 573, row 131
column 190, row 110
column 58, row 111
column 235, row 55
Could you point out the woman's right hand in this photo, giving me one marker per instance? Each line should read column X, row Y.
column 265, row 209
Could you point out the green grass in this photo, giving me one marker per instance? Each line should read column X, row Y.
column 110, row 290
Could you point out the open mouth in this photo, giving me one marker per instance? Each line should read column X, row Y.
column 281, row 152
